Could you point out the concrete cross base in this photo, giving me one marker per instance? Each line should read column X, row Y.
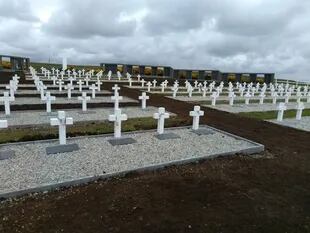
column 87, row 112
column 167, row 136
column 61, row 148
column 121, row 141
column 6, row 154
column 203, row 131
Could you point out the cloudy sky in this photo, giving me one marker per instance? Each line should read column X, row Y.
column 229, row 35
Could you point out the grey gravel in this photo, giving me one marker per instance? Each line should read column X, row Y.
column 303, row 124
column 63, row 100
column 31, row 167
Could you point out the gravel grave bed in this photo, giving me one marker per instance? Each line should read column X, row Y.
column 95, row 114
column 61, row 100
column 236, row 108
column 76, row 91
column 208, row 98
column 303, row 124
column 33, row 168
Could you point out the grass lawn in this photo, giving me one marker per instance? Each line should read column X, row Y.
column 269, row 115
column 21, row 134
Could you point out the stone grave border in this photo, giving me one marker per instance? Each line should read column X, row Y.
column 256, row 148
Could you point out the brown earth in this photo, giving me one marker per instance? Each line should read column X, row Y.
column 263, row 193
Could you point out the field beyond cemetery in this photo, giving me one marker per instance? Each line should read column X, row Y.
column 269, row 192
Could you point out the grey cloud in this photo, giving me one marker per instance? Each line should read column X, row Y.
column 90, row 18
column 16, row 9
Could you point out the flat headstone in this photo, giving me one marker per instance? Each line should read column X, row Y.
column 203, row 131
column 61, row 148
column 121, row 141
column 167, row 136
column 86, row 112
column 6, row 154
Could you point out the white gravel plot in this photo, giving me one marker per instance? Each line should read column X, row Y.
column 39, row 117
column 31, row 167
column 208, row 98
column 303, row 124
column 62, row 100
column 20, row 91
column 253, row 107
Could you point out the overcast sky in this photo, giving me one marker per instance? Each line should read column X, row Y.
column 229, row 35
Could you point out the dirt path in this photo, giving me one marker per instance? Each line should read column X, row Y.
column 269, row 193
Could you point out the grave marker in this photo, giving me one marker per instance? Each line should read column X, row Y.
column 196, row 114
column 84, row 98
column 143, row 99
column 281, row 109
column 7, row 99
column 48, row 100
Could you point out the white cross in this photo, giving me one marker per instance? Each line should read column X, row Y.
column 139, row 77
column 175, row 89
column 143, row 97
column 93, row 89
column 281, row 109
column 232, row 97
column 163, row 87
column 48, row 99
column 154, row 83
column 62, row 121
column 190, row 90
column 12, row 87
column 41, row 89
column 149, row 84
column 117, row 117
column 116, row 88
column 99, row 85
column 84, row 98
column 54, row 79
column 69, row 87
column 86, row 81
column 196, row 114
column 60, row 82
column 287, row 97
column 214, row 96
column 161, row 115
column 274, row 97
column 71, row 80
column 247, row 97
column 83, row 72
column 142, row 82
column 130, row 81
column 300, row 108
column 7, row 99
column 3, row 124
column 204, row 91
column 261, row 97
column 80, row 83
column 116, row 98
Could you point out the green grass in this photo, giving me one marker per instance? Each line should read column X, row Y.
column 41, row 132
column 272, row 114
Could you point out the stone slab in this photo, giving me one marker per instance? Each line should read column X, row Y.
column 121, row 141
column 6, row 154
column 167, row 136
column 203, row 131
column 61, row 148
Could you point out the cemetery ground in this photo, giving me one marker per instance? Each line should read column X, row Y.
column 267, row 192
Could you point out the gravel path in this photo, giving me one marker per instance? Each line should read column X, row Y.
column 40, row 117
column 61, row 100
column 252, row 107
column 303, row 124
column 31, row 167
